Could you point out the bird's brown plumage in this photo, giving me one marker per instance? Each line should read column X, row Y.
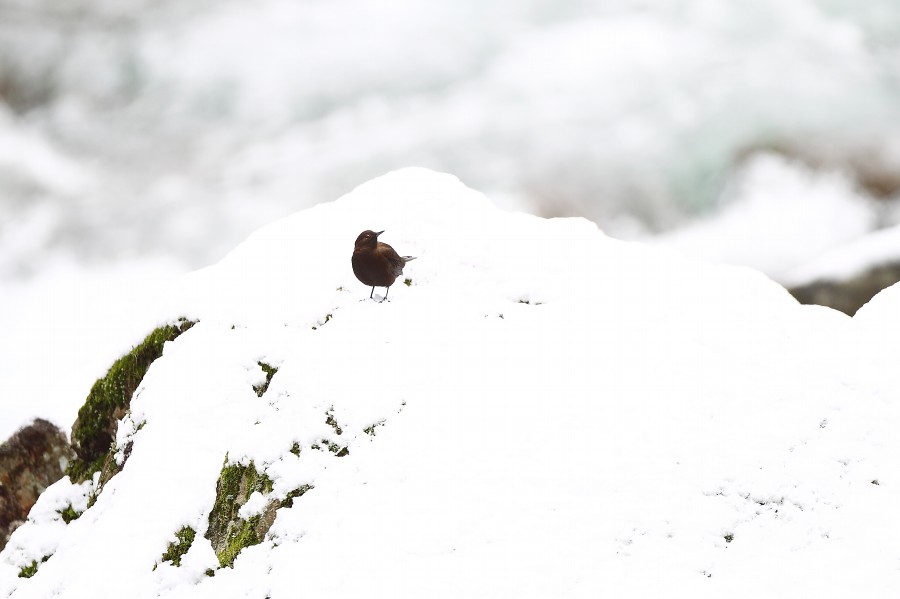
column 375, row 263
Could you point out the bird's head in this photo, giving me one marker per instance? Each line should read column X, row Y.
column 368, row 239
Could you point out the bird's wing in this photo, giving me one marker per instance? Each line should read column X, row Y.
column 393, row 258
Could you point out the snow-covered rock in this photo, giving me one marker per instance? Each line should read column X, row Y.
column 539, row 411
column 34, row 458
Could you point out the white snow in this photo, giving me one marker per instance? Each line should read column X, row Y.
column 45, row 522
column 645, row 425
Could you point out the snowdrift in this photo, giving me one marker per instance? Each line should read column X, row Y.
column 537, row 411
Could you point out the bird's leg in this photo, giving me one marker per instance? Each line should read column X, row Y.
column 386, row 289
column 371, row 292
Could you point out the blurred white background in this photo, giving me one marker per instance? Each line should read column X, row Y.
column 141, row 139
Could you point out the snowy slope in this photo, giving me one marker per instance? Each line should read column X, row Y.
column 555, row 414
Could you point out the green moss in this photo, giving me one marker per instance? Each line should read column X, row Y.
column 175, row 551
column 244, row 535
column 270, row 372
column 227, row 532
column 110, row 398
column 80, row 471
column 289, row 500
column 370, row 430
column 333, row 447
column 69, row 514
column 29, row 571
column 729, row 537
column 295, row 449
column 330, row 421
column 323, row 322
column 407, row 282
column 227, row 489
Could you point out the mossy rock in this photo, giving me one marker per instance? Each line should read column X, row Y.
column 109, row 399
column 370, row 430
column 330, row 421
column 228, row 533
column 69, row 514
column 270, row 372
column 333, row 447
column 31, row 569
column 289, row 500
column 110, row 467
column 175, row 551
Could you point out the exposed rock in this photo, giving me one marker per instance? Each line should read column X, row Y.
column 848, row 295
column 175, row 551
column 30, row 461
column 270, row 372
column 228, row 532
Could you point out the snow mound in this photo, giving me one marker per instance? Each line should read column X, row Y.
column 537, row 411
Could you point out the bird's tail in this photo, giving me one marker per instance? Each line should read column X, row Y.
column 408, row 258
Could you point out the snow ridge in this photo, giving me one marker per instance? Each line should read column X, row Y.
column 542, row 411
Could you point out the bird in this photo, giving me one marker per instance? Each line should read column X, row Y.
column 376, row 263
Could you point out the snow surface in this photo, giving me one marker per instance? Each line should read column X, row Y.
column 557, row 414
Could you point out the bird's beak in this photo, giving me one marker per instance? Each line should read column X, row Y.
column 378, row 233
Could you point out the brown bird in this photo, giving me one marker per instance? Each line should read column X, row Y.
column 376, row 263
